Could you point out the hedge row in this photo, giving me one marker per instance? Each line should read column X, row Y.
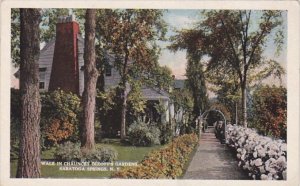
column 261, row 156
column 167, row 162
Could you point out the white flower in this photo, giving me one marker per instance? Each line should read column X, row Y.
column 255, row 154
column 263, row 177
column 262, row 169
column 258, row 162
column 281, row 162
column 240, row 163
column 270, row 176
column 283, row 147
column 272, row 171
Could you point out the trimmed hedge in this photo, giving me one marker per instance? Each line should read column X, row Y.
column 167, row 162
column 261, row 156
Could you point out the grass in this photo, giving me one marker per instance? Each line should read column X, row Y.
column 125, row 153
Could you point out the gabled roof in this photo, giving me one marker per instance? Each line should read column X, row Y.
column 150, row 93
column 51, row 42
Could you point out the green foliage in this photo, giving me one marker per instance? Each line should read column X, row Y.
column 136, row 103
column 60, row 117
column 159, row 77
column 101, row 154
column 166, row 133
column 183, row 108
column 164, row 163
column 187, row 39
column 71, row 152
column 233, row 41
column 131, row 35
column 68, row 152
column 49, row 20
column 143, row 134
column 270, row 111
column 15, row 36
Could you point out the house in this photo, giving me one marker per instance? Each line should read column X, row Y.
column 61, row 66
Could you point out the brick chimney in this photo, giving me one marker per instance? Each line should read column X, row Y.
column 65, row 68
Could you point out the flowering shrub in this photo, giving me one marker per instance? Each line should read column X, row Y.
column 59, row 117
column 263, row 157
column 167, row 162
column 58, row 131
column 71, row 152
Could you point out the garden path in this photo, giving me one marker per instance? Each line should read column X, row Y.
column 214, row 161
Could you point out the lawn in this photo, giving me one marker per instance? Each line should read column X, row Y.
column 125, row 153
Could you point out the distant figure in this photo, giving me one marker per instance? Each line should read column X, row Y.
column 220, row 130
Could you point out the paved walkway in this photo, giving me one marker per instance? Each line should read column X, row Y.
column 213, row 161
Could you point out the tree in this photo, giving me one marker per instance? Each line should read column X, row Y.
column 131, row 38
column 187, row 40
column 240, row 43
column 159, row 77
column 29, row 156
column 90, row 81
column 270, row 110
column 196, row 84
column 234, row 40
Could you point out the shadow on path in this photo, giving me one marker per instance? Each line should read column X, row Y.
column 214, row 161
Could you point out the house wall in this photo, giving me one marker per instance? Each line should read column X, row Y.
column 113, row 80
column 80, row 63
column 45, row 61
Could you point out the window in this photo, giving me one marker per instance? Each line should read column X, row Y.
column 42, row 76
column 42, row 85
column 108, row 70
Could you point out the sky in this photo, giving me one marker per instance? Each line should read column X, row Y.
column 185, row 19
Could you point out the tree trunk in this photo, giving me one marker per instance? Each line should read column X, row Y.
column 123, row 115
column 90, row 81
column 236, row 113
column 124, row 94
column 29, row 165
column 244, row 104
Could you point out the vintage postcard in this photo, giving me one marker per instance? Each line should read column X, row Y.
column 149, row 92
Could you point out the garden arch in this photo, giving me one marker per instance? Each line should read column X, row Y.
column 201, row 117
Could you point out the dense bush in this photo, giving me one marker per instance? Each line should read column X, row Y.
column 60, row 117
column 167, row 162
column 263, row 157
column 270, row 111
column 68, row 152
column 143, row 134
column 71, row 152
column 165, row 133
column 59, row 130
